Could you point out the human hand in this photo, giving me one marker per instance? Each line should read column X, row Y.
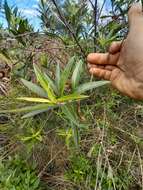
column 123, row 64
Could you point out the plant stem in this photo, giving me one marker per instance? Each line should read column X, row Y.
column 95, row 24
column 63, row 19
column 94, row 6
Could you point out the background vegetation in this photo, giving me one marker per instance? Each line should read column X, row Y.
column 56, row 132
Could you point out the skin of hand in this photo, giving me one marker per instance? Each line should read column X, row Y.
column 123, row 64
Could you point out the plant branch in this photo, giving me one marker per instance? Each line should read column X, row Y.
column 94, row 7
column 95, row 24
column 68, row 27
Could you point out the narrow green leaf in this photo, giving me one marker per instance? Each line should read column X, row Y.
column 58, row 77
column 76, row 74
column 28, row 108
column 34, row 88
column 33, row 113
column 89, row 86
column 40, row 100
column 51, row 83
column 67, row 110
column 8, row 13
column 44, row 83
column 65, row 74
column 71, row 97
column 76, row 135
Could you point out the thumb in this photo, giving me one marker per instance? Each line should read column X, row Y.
column 135, row 14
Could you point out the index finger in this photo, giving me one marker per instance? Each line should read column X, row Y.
column 98, row 58
column 103, row 58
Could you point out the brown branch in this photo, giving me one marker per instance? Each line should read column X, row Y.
column 68, row 27
column 91, row 3
column 95, row 24
column 94, row 7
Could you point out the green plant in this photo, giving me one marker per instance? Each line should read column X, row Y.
column 88, row 174
column 97, row 148
column 17, row 24
column 80, row 169
column 73, row 11
column 53, row 93
column 16, row 174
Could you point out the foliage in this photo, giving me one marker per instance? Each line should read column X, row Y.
column 83, row 172
column 53, row 92
column 91, row 144
column 72, row 11
column 16, row 174
column 17, row 24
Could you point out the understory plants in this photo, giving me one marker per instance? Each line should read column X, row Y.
column 60, row 128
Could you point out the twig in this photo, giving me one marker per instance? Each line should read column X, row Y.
column 45, row 167
column 94, row 6
column 68, row 27
column 95, row 24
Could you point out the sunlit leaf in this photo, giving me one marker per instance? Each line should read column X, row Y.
column 65, row 74
column 44, row 83
column 40, row 100
column 71, row 97
column 76, row 74
column 58, row 77
column 51, row 83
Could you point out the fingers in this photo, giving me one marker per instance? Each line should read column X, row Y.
column 98, row 58
column 103, row 58
column 115, row 47
column 101, row 73
column 90, row 66
column 107, row 67
column 110, row 67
